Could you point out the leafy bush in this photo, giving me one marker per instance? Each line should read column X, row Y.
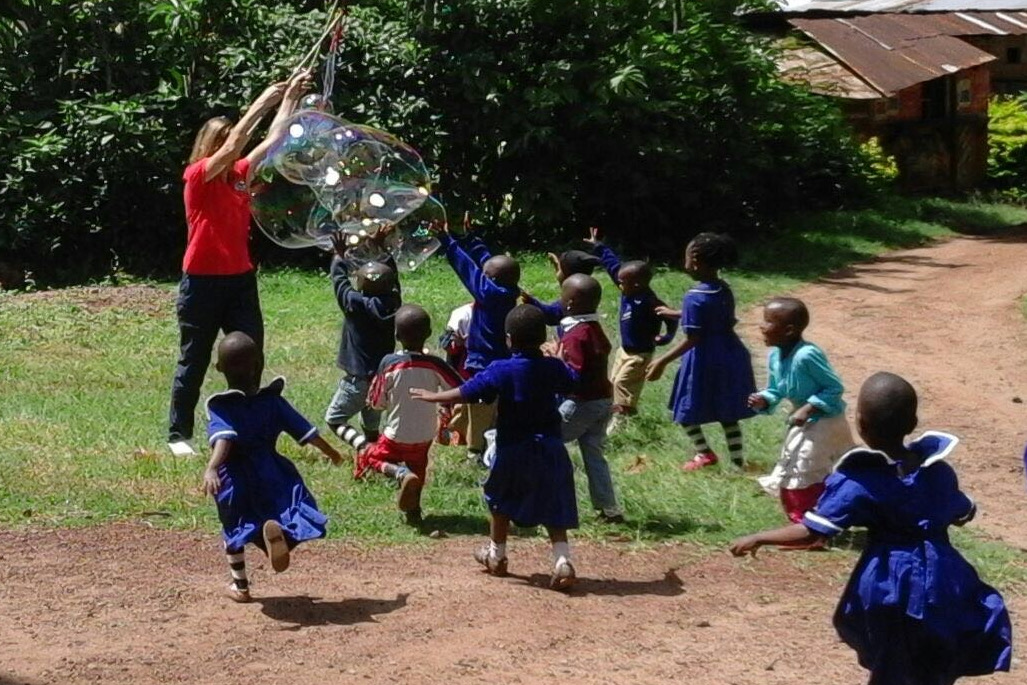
column 1007, row 140
column 541, row 117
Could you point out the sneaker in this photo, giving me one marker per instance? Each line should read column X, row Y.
column 563, row 576
column 181, row 448
column 603, row 517
column 236, row 595
column 699, row 461
column 617, row 422
column 409, row 490
column 277, row 547
column 495, row 567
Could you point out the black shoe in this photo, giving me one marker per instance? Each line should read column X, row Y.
column 603, row 517
column 414, row 517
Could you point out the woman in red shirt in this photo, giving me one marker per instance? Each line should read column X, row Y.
column 219, row 287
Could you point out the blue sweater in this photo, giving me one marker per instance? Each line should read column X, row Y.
column 486, row 338
column 639, row 324
column 369, row 331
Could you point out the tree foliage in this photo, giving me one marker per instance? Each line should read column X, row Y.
column 653, row 119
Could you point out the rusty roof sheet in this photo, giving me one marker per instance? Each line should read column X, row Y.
column 891, row 53
column 823, row 74
column 865, row 6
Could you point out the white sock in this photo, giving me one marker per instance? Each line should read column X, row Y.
column 350, row 435
column 497, row 550
column 561, row 551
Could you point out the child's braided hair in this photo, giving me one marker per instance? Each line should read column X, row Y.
column 716, row 250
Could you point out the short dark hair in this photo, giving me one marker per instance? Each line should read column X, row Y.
column 585, row 289
column 578, row 262
column 798, row 314
column 412, row 324
column 643, row 269
column 526, row 326
column 716, row 250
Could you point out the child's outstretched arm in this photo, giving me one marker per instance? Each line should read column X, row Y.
column 658, row 365
column 607, row 257
column 795, row 534
column 669, row 322
column 445, row 397
column 211, row 480
column 326, row 449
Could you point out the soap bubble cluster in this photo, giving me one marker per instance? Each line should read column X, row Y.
column 324, row 175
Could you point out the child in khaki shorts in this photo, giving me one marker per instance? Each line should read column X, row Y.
column 639, row 329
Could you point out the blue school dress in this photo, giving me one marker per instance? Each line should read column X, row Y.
column 257, row 483
column 715, row 378
column 531, row 479
column 914, row 610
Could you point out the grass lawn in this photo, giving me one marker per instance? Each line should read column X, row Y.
column 85, row 393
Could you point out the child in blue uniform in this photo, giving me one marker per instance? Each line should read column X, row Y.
column 260, row 495
column 493, row 283
column 715, row 378
column 640, row 328
column 914, row 610
column 531, row 481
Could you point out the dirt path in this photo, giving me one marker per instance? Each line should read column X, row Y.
column 127, row 604
column 948, row 318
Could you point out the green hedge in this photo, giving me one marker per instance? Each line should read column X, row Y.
column 541, row 117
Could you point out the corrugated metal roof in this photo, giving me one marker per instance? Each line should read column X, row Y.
column 865, row 6
column 823, row 74
column 892, row 52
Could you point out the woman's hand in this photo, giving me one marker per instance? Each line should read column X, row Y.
column 802, row 415
column 298, row 85
column 757, row 401
column 211, row 482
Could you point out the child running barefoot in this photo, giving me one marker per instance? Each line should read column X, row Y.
column 819, row 433
column 260, row 495
column 401, row 451
column 914, row 610
column 531, row 481
column 715, row 378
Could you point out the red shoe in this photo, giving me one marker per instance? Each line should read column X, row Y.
column 699, row 461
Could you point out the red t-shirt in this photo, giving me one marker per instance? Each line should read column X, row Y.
column 218, row 214
column 586, row 349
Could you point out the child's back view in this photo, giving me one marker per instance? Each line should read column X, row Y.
column 368, row 334
column 401, row 451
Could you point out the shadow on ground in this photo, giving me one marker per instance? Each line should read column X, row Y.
column 303, row 612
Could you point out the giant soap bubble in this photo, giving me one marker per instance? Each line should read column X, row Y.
column 324, row 175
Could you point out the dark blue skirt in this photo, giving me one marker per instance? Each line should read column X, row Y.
column 918, row 612
column 713, row 383
column 265, row 487
column 532, row 482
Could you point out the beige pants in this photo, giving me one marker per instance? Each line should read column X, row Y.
column 471, row 421
column 628, row 377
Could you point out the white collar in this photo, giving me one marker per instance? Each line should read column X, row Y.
column 939, row 444
column 569, row 322
column 277, row 385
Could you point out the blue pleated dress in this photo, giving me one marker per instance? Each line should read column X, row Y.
column 531, row 479
column 715, row 379
column 914, row 609
column 257, row 483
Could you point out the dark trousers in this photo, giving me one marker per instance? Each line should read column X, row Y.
column 206, row 305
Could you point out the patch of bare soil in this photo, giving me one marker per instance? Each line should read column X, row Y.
column 948, row 318
column 129, row 604
column 147, row 299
